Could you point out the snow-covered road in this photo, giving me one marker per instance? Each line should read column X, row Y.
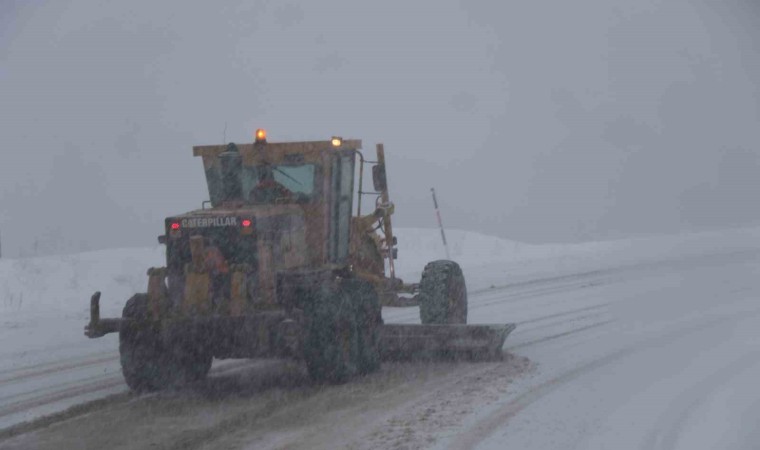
column 629, row 350
column 666, row 364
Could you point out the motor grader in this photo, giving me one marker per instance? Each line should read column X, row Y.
column 276, row 264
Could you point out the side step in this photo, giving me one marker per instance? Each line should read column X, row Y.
column 470, row 342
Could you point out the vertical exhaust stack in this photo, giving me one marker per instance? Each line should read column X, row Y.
column 232, row 165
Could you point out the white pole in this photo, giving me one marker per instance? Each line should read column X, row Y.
column 440, row 223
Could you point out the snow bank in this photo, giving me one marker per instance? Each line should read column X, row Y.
column 488, row 260
column 60, row 286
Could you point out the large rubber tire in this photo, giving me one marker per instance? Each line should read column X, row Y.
column 443, row 294
column 331, row 345
column 189, row 358
column 150, row 365
column 369, row 319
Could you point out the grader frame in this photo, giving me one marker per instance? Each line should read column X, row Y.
column 297, row 275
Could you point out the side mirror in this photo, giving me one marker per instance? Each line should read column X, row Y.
column 378, row 178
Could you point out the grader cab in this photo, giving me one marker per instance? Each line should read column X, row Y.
column 282, row 263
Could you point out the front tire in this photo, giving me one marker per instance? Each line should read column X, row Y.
column 443, row 294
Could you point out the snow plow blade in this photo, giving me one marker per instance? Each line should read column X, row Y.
column 444, row 342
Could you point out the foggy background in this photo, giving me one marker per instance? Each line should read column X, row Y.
column 536, row 121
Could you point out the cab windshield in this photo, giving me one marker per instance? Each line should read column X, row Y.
column 278, row 183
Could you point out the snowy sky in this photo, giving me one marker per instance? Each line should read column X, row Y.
column 537, row 121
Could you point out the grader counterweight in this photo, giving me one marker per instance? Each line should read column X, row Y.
column 279, row 266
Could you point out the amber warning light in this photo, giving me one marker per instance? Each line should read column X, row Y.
column 261, row 135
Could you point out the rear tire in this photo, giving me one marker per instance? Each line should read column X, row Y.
column 331, row 346
column 369, row 319
column 443, row 294
column 146, row 362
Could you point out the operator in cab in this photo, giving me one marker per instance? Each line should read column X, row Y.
column 269, row 190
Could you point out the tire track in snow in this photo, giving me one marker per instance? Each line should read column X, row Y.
column 61, row 394
column 560, row 335
column 486, row 426
column 13, row 370
column 672, row 423
column 563, row 314
column 255, row 376
column 25, row 373
column 499, row 298
column 81, row 388
column 573, row 277
column 655, row 264
column 366, row 415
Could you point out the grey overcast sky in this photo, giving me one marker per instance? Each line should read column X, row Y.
column 537, row 121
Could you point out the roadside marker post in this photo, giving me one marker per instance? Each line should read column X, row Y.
column 440, row 223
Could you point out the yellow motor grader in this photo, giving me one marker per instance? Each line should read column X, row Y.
column 276, row 264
